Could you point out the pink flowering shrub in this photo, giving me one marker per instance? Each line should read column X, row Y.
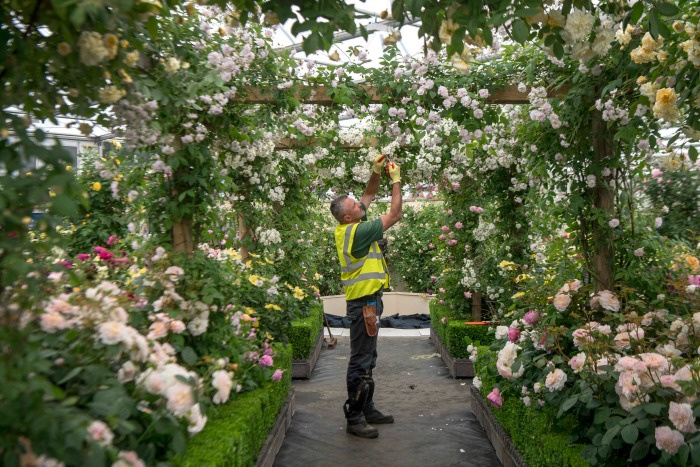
column 158, row 345
column 627, row 367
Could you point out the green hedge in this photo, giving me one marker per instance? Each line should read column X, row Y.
column 456, row 335
column 237, row 431
column 539, row 436
column 305, row 332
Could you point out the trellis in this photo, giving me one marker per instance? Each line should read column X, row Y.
column 321, row 95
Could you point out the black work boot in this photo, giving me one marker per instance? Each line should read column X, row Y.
column 363, row 430
column 377, row 418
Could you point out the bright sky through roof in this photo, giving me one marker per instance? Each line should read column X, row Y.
column 409, row 44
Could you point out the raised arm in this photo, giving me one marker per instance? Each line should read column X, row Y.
column 394, row 214
column 373, row 183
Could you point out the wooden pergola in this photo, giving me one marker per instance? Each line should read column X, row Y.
column 321, row 95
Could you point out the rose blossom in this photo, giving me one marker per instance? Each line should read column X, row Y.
column 561, row 301
column 555, row 380
column 513, row 334
column 614, row 223
column 266, row 360
column 506, row 358
column 639, row 252
column 177, row 326
column 668, row 440
column 531, row 317
column 222, row 382
column 495, row 398
column 681, row 415
column 577, row 361
column 100, row 432
column 277, row 375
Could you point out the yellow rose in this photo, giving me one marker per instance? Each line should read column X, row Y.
column 298, row 293
column 272, row 306
column 97, row 186
column 254, row 279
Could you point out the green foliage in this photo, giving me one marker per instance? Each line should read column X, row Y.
column 538, row 435
column 105, row 215
column 237, row 431
column 305, row 331
column 678, row 189
column 411, row 250
column 455, row 333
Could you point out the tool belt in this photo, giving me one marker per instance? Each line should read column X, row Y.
column 369, row 313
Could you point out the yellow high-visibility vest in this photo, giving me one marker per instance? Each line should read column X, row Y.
column 359, row 276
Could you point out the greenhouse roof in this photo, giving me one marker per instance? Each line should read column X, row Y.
column 379, row 30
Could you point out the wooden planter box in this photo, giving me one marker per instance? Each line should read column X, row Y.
column 459, row 367
column 301, row 369
column 505, row 450
column 274, row 441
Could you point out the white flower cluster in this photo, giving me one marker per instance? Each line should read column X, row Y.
column 469, row 279
column 612, row 113
column 268, row 237
column 543, row 109
column 484, row 230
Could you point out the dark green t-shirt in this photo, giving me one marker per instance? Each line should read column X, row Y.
column 366, row 233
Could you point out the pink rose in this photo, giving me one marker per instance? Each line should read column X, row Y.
column 467, row 295
column 458, row 225
column 82, row 256
column 266, row 360
column 99, row 249
column 531, row 317
column 495, row 398
column 277, row 376
column 513, row 334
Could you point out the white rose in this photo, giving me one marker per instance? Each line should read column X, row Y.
column 555, row 380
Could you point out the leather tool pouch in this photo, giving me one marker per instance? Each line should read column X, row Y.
column 369, row 312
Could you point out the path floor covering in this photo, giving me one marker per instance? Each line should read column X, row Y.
column 433, row 426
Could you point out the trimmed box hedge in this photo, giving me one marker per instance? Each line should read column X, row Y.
column 237, row 431
column 305, row 331
column 455, row 334
column 539, row 436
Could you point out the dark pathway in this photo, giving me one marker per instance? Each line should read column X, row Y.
column 434, row 425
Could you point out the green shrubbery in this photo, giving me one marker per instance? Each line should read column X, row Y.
column 537, row 433
column 455, row 333
column 411, row 247
column 237, row 431
column 305, row 332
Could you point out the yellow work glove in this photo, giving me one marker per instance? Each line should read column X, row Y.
column 379, row 163
column 394, row 172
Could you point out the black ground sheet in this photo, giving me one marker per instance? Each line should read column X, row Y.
column 417, row 321
column 433, row 423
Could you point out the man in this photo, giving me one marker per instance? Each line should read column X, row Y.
column 364, row 276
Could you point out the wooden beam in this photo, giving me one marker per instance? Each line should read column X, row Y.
column 320, row 95
column 293, row 143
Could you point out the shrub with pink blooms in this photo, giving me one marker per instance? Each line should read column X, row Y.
column 111, row 359
column 625, row 366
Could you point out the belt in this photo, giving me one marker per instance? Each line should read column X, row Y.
column 366, row 298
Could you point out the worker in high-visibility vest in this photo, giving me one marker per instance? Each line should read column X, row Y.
column 364, row 277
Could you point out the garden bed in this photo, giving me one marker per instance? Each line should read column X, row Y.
column 302, row 368
column 452, row 337
column 306, row 340
column 459, row 367
column 248, row 430
column 502, row 443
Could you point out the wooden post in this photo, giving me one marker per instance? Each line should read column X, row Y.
column 181, row 232
column 476, row 307
column 603, row 199
column 182, row 235
column 243, row 231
